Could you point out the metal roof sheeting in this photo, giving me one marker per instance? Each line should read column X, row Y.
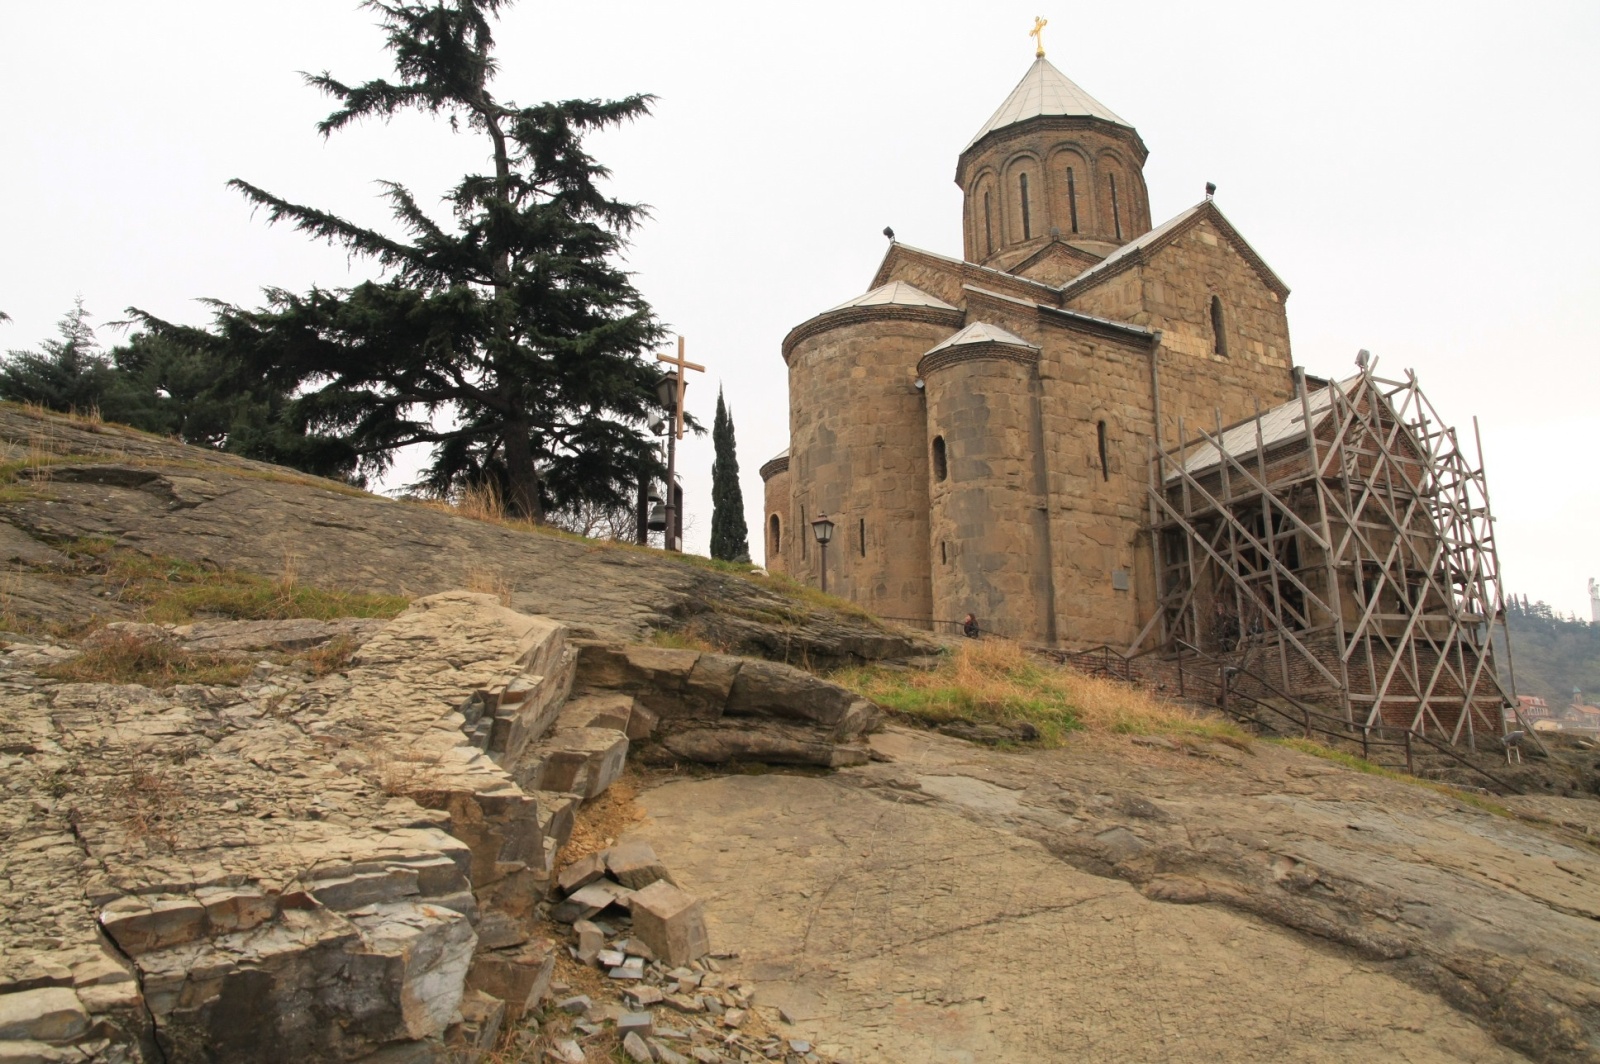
column 1278, row 425
column 894, row 292
column 1044, row 90
column 981, row 332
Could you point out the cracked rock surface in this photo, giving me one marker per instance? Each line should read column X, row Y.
column 213, row 509
column 1115, row 901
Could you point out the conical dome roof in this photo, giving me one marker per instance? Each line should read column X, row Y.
column 1044, row 90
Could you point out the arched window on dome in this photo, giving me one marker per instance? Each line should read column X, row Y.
column 1027, row 218
column 1072, row 198
column 1219, row 334
column 777, row 537
column 1116, row 208
column 988, row 228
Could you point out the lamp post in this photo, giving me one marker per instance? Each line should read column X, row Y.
column 669, row 392
column 823, row 529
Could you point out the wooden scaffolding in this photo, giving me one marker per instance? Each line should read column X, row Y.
column 1343, row 544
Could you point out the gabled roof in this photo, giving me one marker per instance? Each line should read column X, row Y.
column 1137, row 250
column 1044, row 90
column 981, row 332
column 897, row 292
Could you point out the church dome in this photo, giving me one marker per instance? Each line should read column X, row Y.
column 1043, row 91
column 1052, row 164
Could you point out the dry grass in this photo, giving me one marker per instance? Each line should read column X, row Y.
column 147, row 804
column 124, row 657
column 487, row 582
column 994, row 681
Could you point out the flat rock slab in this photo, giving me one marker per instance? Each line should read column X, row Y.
column 923, row 927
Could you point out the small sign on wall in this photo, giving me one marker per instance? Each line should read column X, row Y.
column 1120, row 580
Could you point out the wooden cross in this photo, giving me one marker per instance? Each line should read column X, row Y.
column 679, row 365
column 1038, row 32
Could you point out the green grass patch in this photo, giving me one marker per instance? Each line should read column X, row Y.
column 1362, row 765
column 170, row 591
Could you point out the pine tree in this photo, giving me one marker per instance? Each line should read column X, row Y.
column 729, row 536
column 508, row 339
column 70, row 374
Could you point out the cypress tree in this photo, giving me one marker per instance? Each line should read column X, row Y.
column 507, row 336
column 728, row 533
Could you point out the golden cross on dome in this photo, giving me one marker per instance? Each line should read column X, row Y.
column 1038, row 33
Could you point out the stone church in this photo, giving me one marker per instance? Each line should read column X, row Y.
column 980, row 429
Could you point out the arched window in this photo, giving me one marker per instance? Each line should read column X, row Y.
column 1116, row 209
column 1027, row 218
column 1219, row 336
column 940, row 469
column 1072, row 198
column 862, row 536
column 988, row 228
column 777, row 539
column 1105, row 468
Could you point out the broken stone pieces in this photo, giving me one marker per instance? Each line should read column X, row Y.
column 671, row 921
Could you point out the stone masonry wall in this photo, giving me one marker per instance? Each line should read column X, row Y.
column 988, row 547
column 859, row 454
column 1172, row 292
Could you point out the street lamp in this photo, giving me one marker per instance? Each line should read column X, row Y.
column 668, row 391
column 823, row 529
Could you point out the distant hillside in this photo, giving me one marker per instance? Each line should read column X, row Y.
column 1552, row 656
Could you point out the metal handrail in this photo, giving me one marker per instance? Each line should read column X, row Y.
column 1307, row 713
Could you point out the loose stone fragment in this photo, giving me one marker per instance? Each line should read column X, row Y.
column 567, row 1051
column 636, row 1049
column 634, row 864
column 611, row 958
column 591, row 940
column 640, row 1023
column 576, row 1005
column 667, row 1055
column 733, row 1018
column 581, row 873
column 671, row 921
column 632, row 968
column 643, row 996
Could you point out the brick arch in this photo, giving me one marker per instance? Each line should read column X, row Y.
column 1081, row 189
column 1018, row 164
column 984, row 237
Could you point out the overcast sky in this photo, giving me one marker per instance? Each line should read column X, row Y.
column 1422, row 175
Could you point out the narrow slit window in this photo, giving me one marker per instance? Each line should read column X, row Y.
column 861, row 535
column 944, row 559
column 1116, row 210
column 805, row 543
column 1219, row 335
column 1105, row 469
column 777, row 539
column 1072, row 198
column 988, row 228
column 940, row 468
column 1027, row 222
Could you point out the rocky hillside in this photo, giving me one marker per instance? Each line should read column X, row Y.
column 68, row 482
column 371, row 826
